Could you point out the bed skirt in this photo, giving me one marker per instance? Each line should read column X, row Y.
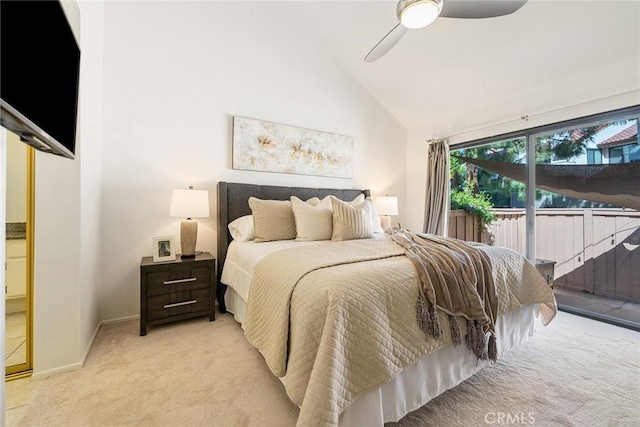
column 424, row 380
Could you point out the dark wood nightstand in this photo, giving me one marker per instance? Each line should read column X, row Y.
column 176, row 290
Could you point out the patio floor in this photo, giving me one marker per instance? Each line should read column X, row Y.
column 599, row 305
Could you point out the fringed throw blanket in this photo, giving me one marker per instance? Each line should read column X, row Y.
column 454, row 277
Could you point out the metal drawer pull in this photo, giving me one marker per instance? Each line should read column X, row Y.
column 173, row 282
column 178, row 304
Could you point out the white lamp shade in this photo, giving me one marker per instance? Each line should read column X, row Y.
column 189, row 203
column 387, row 205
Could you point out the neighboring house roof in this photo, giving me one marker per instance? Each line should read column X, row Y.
column 628, row 135
column 579, row 134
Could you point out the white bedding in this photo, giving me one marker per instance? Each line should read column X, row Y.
column 242, row 259
column 418, row 383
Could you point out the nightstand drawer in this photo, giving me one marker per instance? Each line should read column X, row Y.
column 178, row 280
column 177, row 303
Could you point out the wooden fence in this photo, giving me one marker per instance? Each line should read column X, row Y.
column 463, row 226
column 595, row 250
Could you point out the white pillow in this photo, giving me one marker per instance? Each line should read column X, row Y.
column 241, row 229
column 313, row 222
column 358, row 200
column 375, row 218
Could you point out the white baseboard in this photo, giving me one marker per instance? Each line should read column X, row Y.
column 119, row 320
column 74, row 366
column 90, row 345
column 100, row 325
column 44, row 374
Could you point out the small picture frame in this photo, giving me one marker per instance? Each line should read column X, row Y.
column 164, row 249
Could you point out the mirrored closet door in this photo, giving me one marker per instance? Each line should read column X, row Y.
column 19, row 256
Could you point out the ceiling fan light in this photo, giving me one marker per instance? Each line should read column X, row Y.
column 418, row 14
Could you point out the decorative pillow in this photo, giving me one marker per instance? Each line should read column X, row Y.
column 312, row 201
column 358, row 200
column 313, row 222
column 272, row 220
column 375, row 218
column 351, row 221
column 241, row 229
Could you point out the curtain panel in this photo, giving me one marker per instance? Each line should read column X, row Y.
column 437, row 202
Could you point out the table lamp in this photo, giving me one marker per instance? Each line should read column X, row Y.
column 386, row 205
column 189, row 204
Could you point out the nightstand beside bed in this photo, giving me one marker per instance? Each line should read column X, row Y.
column 176, row 290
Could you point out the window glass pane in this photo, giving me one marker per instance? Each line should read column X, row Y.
column 634, row 153
column 483, row 191
column 615, row 155
column 606, row 143
column 580, row 224
column 502, row 191
column 594, row 156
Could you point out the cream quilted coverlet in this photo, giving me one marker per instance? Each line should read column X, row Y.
column 339, row 319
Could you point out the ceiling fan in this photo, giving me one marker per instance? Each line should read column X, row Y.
column 414, row 14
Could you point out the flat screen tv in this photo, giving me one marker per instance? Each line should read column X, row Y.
column 39, row 75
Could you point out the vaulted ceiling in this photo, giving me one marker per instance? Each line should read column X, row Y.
column 457, row 65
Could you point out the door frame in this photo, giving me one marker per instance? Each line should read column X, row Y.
column 26, row 369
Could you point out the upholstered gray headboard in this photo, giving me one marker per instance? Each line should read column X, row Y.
column 233, row 202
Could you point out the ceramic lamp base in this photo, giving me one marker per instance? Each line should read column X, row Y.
column 188, row 237
column 385, row 222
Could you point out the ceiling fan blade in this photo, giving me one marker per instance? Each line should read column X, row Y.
column 474, row 9
column 385, row 45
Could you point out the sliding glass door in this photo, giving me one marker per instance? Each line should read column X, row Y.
column 587, row 216
column 577, row 206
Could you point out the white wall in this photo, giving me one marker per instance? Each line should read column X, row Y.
column 90, row 150
column 57, row 261
column 602, row 88
column 67, row 231
column 174, row 75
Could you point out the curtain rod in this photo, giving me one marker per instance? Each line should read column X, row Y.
column 526, row 117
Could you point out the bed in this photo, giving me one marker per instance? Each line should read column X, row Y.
column 313, row 372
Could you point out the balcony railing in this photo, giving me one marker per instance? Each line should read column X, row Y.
column 595, row 250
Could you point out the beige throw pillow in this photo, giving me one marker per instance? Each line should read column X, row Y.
column 351, row 221
column 313, row 222
column 375, row 218
column 272, row 220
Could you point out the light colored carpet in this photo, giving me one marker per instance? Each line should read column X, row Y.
column 575, row 372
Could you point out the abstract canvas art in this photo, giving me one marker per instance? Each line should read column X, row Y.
column 273, row 147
